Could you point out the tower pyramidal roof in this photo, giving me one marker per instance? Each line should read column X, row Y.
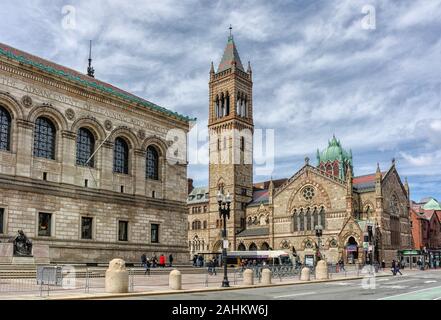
column 230, row 57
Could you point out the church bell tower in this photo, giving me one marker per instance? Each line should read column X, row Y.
column 231, row 129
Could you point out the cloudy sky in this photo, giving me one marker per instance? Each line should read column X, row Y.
column 319, row 68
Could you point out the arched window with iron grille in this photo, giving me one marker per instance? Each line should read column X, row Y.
column 121, row 156
column 5, row 129
column 44, row 139
column 85, row 147
column 152, row 163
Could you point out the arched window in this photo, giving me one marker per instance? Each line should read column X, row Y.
column 315, row 216
column 152, row 167
column 308, row 219
column 322, row 217
column 121, row 156
column 5, row 129
column 253, row 247
column 301, row 220
column 44, row 139
column 265, row 246
column 205, row 224
column 329, row 168
column 294, row 221
column 241, row 247
column 227, row 105
column 85, row 147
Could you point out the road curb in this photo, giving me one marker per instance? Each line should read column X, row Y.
column 186, row 291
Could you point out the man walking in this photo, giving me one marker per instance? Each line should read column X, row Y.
column 170, row 259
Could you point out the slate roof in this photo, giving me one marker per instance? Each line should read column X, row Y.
column 198, row 196
column 254, row 232
column 81, row 79
column 230, row 55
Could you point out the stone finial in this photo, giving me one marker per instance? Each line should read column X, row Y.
column 175, row 280
column 305, row 274
column 266, row 276
column 393, row 161
column 248, row 277
column 321, row 271
column 117, row 277
column 307, row 161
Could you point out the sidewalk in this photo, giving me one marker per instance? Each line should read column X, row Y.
column 147, row 285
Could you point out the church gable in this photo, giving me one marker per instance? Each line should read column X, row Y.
column 310, row 187
column 349, row 229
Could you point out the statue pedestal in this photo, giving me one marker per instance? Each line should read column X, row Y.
column 6, row 253
column 23, row 260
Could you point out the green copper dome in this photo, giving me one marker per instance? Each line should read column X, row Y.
column 335, row 152
column 432, row 205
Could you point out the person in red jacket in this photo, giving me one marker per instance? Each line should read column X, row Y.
column 162, row 261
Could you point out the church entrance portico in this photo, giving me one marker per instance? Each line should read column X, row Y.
column 351, row 251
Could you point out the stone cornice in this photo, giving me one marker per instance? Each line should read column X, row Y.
column 36, row 75
column 76, row 192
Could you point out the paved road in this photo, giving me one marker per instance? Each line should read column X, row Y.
column 413, row 286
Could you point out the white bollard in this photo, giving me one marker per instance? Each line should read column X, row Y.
column 321, row 271
column 306, row 274
column 175, row 280
column 248, row 277
column 117, row 277
column 266, row 276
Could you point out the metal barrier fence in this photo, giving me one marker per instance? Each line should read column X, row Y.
column 61, row 280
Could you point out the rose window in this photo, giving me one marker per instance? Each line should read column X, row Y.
column 308, row 193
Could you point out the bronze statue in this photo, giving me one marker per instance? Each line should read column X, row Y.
column 22, row 245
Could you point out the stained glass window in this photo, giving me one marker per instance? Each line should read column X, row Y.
column 121, row 157
column 152, row 167
column 85, row 147
column 44, row 139
column 5, row 129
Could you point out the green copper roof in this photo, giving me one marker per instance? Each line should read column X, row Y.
column 432, row 205
column 230, row 55
column 333, row 152
column 76, row 77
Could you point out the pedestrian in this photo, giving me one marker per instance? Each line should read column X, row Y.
column 154, row 261
column 195, row 260
column 342, row 265
column 170, row 259
column 394, row 268
column 147, row 267
column 383, row 265
column 143, row 260
column 162, row 261
column 397, row 269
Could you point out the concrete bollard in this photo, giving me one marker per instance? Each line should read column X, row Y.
column 266, row 276
column 321, row 271
column 248, row 277
column 305, row 274
column 175, row 280
column 117, row 277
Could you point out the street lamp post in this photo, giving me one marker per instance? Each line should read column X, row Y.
column 319, row 233
column 224, row 213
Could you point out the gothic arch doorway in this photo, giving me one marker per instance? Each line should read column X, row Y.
column 264, row 246
column 241, row 247
column 351, row 251
column 253, row 247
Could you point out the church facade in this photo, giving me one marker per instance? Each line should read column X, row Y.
column 361, row 218
column 85, row 167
